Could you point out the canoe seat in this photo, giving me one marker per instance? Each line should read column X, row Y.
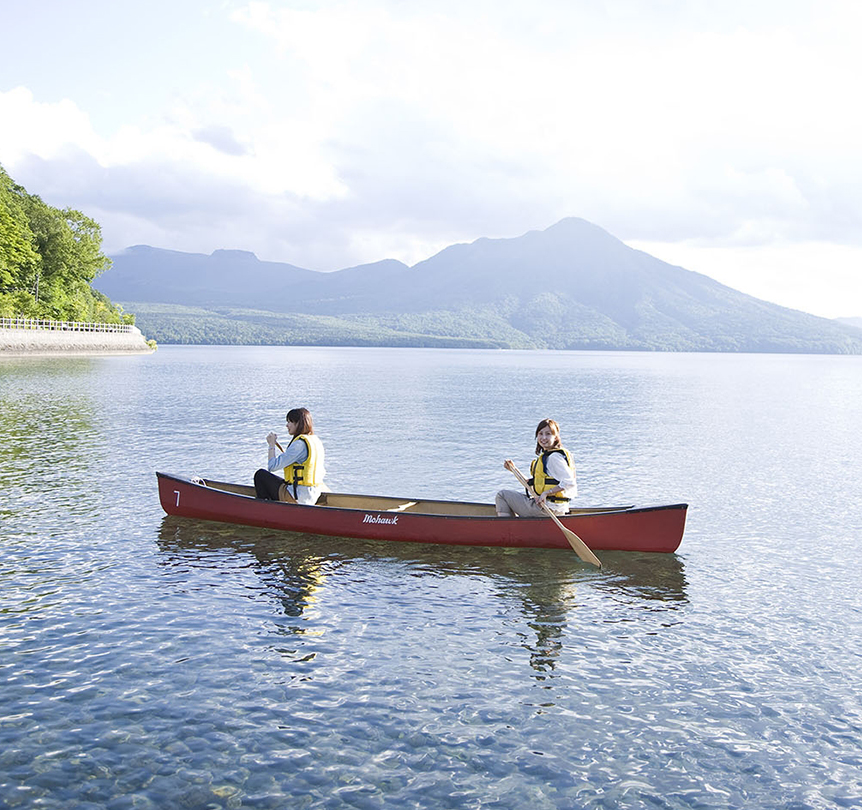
column 402, row 507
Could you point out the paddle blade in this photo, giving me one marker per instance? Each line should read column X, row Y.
column 580, row 547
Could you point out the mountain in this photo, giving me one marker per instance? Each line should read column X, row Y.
column 571, row 286
column 857, row 322
column 225, row 277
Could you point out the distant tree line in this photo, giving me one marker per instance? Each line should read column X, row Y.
column 475, row 328
column 48, row 257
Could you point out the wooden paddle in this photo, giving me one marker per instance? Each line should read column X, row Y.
column 580, row 547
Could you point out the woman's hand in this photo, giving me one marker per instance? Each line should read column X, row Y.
column 509, row 465
column 271, row 439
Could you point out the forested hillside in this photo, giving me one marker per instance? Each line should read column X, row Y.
column 48, row 257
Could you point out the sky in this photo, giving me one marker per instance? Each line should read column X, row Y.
column 724, row 136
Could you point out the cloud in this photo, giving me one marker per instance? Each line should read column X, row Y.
column 221, row 138
column 818, row 277
column 41, row 129
column 697, row 130
column 341, row 132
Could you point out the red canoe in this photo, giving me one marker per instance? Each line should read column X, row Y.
column 369, row 517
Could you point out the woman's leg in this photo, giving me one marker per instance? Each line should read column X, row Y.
column 509, row 503
column 266, row 485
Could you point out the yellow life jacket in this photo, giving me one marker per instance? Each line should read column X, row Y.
column 308, row 473
column 541, row 481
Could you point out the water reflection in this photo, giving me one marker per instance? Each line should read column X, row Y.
column 546, row 616
column 550, row 586
column 546, row 586
column 291, row 575
column 61, row 425
column 49, row 445
column 659, row 577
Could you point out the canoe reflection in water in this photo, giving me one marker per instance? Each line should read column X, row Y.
column 547, row 586
column 292, row 579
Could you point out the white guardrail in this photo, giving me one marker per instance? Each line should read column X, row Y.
column 63, row 326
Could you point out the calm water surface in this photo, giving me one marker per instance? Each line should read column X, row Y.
column 149, row 662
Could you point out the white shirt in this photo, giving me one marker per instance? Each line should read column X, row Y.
column 557, row 468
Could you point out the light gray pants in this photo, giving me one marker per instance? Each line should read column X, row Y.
column 509, row 503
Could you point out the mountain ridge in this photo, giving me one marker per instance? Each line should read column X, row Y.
column 570, row 286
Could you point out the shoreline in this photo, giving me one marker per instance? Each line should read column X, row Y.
column 53, row 343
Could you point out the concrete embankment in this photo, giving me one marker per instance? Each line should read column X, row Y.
column 30, row 342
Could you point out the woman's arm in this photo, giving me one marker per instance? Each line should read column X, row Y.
column 296, row 452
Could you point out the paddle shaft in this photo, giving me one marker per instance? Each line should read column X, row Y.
column 579, row 546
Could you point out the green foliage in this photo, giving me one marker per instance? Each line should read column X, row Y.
column 19, row 258
column 174, row 323
column 48, row 257
column 543, row 322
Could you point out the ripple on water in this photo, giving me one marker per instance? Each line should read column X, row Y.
column 152, row 662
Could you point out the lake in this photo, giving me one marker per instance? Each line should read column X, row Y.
column 155, row 662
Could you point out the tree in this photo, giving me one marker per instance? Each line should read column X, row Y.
column 19, row 258
column 48, row 257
